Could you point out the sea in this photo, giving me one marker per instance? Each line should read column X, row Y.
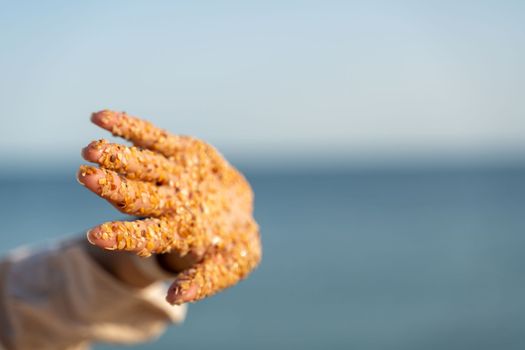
column 374, row 258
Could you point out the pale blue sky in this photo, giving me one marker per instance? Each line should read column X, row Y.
column 268, row 79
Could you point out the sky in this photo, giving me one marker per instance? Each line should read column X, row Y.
column 276, row 81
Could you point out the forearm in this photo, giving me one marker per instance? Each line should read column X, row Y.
column 58, row 297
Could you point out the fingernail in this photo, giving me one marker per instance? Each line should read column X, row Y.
column 78, row 178
column 101, row 238
column 178, row 294
column 92, row 235
column 103, row 118
column 92, row 152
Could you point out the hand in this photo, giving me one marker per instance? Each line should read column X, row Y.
column 195, row 206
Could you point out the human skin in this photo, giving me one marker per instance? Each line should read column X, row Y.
column 195, row 209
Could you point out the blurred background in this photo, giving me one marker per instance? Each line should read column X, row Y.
column 385, row 141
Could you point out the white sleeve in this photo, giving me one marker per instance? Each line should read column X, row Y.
column 61, row 299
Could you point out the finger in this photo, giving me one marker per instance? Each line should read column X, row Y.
column 218, row 271
column 141, row 133
column 180, row 233
column 133, row 197
column 133, row 163
column 187, row 151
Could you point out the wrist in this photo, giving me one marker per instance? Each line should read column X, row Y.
column 122, row 265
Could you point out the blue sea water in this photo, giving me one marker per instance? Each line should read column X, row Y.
column 353, row 259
